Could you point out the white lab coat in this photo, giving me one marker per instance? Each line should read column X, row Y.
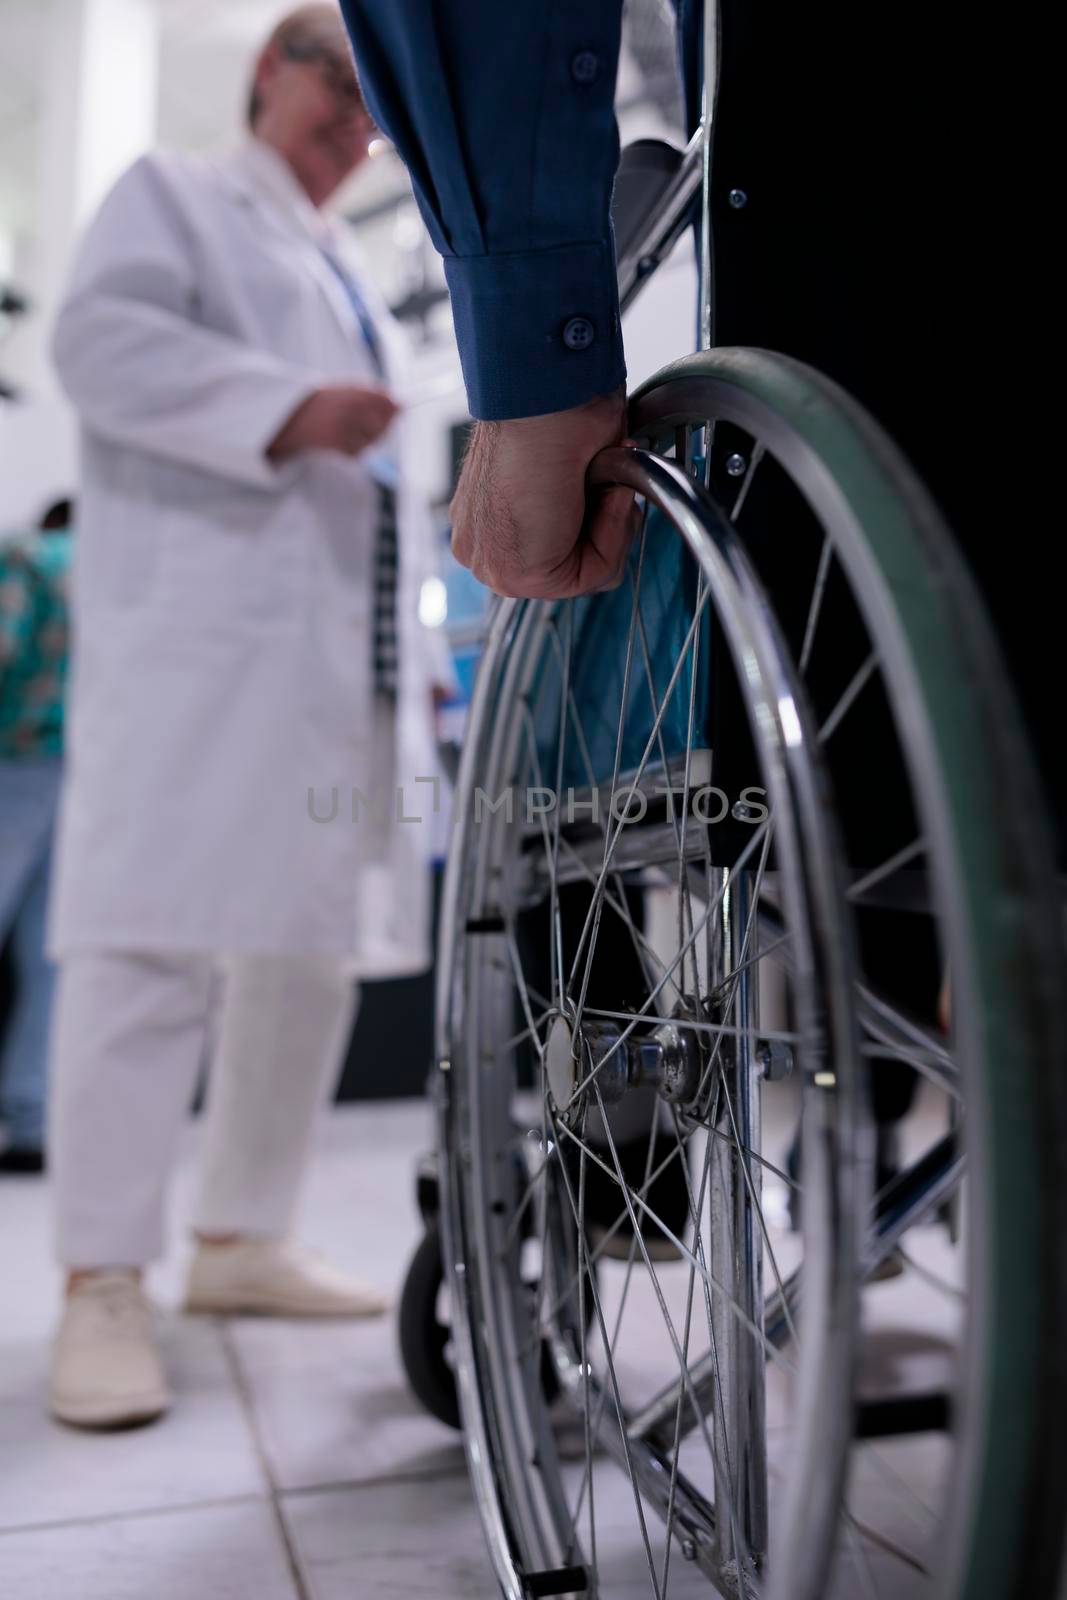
column 223, row 607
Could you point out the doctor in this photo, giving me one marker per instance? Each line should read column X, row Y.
column 247, row 652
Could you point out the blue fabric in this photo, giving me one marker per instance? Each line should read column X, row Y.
column 601, row 625
column 29, row 791
column 504, row 115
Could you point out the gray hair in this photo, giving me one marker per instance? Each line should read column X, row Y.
column 305, row 31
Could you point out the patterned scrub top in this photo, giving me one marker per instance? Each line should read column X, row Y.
column 34, row 572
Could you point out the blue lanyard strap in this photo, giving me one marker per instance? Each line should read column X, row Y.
column 359, row 306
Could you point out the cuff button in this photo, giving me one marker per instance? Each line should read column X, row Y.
column 579, row 333
column 585, row 66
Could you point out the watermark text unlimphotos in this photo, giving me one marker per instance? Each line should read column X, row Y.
column 407, row 803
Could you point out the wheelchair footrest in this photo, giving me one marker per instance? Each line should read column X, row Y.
column 557, row 1580
column 904, row 1413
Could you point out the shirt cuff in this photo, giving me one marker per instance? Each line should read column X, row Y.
column 538, row 331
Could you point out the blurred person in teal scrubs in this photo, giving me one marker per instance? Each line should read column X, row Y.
column 34, row 568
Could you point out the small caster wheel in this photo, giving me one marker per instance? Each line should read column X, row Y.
column 424, row 1338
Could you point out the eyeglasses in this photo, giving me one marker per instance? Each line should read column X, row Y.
column 336, row 72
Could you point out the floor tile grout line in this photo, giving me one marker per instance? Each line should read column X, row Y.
column 343, row 1485
column 172, row 1509
column 432, row 1474
column 226, row 1502
column 245, row 1395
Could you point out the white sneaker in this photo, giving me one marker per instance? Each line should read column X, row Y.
column 275, row 1278
column 106, row 1370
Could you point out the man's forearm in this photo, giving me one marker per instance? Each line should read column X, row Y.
column 504, row 116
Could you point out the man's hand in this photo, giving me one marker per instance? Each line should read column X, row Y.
column 521, row 518
column 343, row 417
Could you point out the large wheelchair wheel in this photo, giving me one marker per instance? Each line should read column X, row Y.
column 724, row 837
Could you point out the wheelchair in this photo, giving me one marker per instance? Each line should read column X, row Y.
column 730, row 842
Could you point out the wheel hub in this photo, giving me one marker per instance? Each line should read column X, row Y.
column 561, row 1064
column 669, row 1058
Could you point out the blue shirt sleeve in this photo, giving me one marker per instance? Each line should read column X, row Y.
column 503, row 111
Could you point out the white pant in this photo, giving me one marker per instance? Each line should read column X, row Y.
column 129, row 1033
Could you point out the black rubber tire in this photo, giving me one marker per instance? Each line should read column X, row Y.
column 424, row 1338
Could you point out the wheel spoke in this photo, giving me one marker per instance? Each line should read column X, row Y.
column 750, row 472
column 685, row 904
column 592, row 920
column 556, row 924
column 617, row 1251
column 583, row 1273
column 901, row 1038
column 641, row 947
column 616, row 1394
column 863, row 1565
column 550, row 853
column 600, row 1249
column 646, row 955
column 815, row 608
column 631, row 1257
column 677, row 823
column 637, row 1202
column 864, row 885
column 671, row 1332
column 847, row 699
column 643, row 1009
column 614, row 837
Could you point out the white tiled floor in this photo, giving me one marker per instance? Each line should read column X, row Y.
column 295, row 1465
